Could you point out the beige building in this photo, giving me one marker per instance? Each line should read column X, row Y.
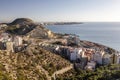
column 50, row 34
column 117, row 56
column 79, row 52
column 118, row 59
column 90, row 65
column 4, row 37
column 18, row 41
column 9, row 46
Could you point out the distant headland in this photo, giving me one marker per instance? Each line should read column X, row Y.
column 62, row 23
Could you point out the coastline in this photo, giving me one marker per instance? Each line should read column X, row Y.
column 98, row 45
column 103, row 33
column 50, row 51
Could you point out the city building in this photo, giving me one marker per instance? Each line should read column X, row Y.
column 88, row 53
column 4, row 37
column 73, row 54
column 106, row 59
column 79, row 52
column 118, row 58
column 18, row 41
column 97, row 56
column 90, row 65
column 9, row 46
column 71, row 40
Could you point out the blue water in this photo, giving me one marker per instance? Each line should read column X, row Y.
column 106, row 33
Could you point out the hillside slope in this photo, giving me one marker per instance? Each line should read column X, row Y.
column 26, row 27
column 32, row 64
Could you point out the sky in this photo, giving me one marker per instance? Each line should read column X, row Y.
column 61, row 10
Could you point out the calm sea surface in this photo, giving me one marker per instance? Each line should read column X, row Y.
column 100, row 32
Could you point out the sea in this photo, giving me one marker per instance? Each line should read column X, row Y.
column 105, row 33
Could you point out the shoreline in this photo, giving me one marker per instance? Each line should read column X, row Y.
column 100, row 44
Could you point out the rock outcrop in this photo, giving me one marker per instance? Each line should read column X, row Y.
column 20, row 26
column 25, row 26
column 40, row 32
column 22, row 21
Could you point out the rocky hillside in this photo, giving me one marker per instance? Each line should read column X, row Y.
column 32, row 64
column 20, row 26
column 41, row 32
column 25, row 26
column 22, row 21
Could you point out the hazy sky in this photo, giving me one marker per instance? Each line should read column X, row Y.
column 60, row 10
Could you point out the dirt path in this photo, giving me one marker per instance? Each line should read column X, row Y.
column 56, row 72
column 62, row 71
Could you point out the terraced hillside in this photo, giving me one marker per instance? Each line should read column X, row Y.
column 35, row 65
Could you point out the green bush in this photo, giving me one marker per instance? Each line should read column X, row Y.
column 109, row 72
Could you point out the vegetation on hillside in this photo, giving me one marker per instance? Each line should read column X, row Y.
column 108, row 72
column 29, row 65
column 49, row 61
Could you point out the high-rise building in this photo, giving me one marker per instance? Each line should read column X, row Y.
column 18, row 41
